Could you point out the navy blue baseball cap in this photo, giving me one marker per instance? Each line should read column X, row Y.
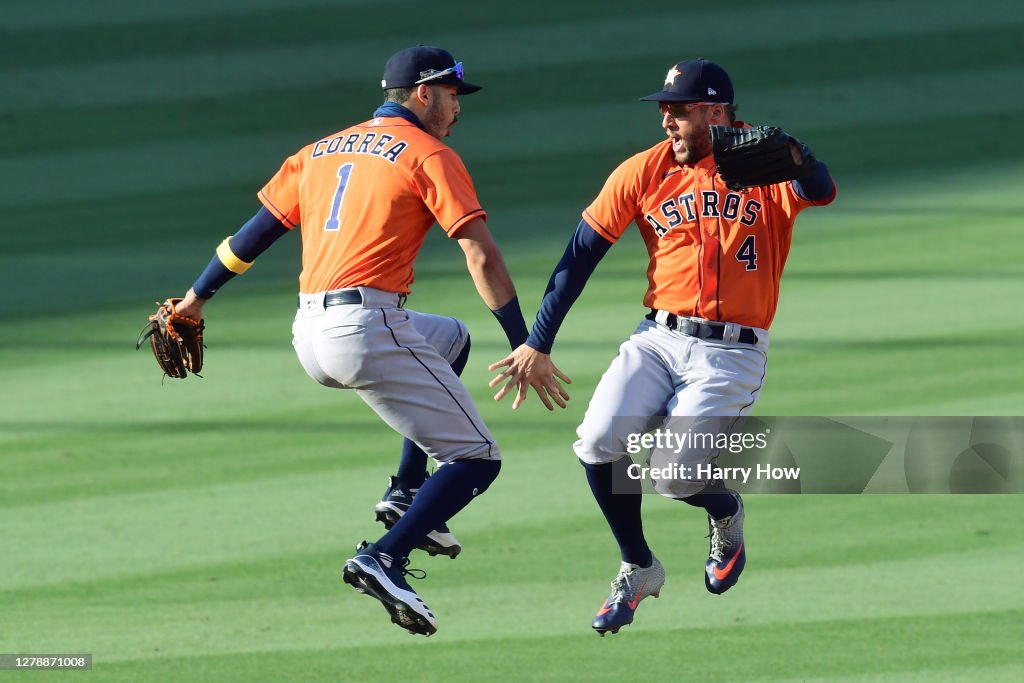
column 695, row 80
column 424, row 64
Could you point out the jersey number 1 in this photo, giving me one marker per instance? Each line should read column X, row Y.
column 334, row 219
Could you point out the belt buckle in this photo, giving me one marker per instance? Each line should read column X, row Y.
column 402, row 298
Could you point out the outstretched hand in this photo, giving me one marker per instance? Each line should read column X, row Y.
column 527, row 367
column 191, row 306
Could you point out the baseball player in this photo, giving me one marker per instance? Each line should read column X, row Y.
column 716, row 257
column 365, row 198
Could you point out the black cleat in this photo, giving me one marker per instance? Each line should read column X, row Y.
column 382, row 577
column 396, row 502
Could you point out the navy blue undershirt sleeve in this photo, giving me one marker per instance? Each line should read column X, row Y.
column 250, row 241
column 257, row 235
column 585, row 250
column 510, row 317
column 817, row 186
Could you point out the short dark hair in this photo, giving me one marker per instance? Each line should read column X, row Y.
column 730, row 111
column 399, row 95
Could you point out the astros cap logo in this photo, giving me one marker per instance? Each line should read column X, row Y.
column 672, row 74
column 694, row 80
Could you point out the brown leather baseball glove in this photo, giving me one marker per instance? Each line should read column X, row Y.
column 177, row 341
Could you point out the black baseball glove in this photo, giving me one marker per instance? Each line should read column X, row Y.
column 176, row 339
column 753, row 157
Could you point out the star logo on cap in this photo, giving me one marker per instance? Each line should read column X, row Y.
column 672, row 74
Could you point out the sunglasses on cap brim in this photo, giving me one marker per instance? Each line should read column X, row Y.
column 457, row 70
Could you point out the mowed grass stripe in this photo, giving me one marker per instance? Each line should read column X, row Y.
column 574, row 42
column 114, row 461
column 178, row 165
column 772, row 592
column 506, row 543
column 318, row 666
column 1010, row 673
column 339, row 615
column 232, row 30
column 52, row 461
column 28, row 16
column 228, row 493
column 836, row 646
column 327, row 105
column 236, row 25
column 901, row 377
column 175, row 527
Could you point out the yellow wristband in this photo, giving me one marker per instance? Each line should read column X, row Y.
column 230, row 261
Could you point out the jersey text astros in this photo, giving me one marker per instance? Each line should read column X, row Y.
column 715, row 254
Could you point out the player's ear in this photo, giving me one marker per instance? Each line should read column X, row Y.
column 422, row 94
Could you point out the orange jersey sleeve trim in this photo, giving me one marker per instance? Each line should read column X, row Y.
column 600, row 229
column 618, row 204
column 447, row 190
column 460, row 222
column 280, row 215
column 281, row 193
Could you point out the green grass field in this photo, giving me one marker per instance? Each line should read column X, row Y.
column 194, row 531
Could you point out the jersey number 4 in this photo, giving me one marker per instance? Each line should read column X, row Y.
column 334, row 219
column 748, row 253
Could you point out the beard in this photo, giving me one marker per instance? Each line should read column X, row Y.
column 436, row 121
column 694, row 145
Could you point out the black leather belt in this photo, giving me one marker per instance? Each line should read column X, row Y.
column 345, row 296
column 349, row 296
column 703, row 330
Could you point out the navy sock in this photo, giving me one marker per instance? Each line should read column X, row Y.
column 412, row 467
column 619, row 498
column 449, row 490
column 715, row 499
column 459, row 364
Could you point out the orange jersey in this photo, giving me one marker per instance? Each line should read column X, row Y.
column 365, row 198
column 715, row 253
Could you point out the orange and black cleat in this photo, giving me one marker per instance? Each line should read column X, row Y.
column 728, row 554
column 633, row 584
